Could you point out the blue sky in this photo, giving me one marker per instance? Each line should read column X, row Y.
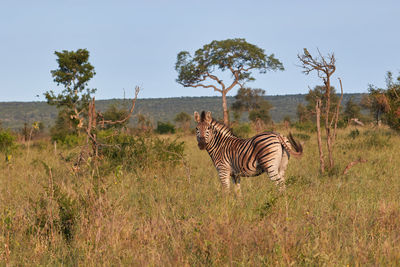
column 136, row 42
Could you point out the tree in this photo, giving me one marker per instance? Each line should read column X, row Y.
column 144, row 123
column 252, row 101
column 74, row 72
column 236, row 56
column 385, row 103
column 393, row 95
column 325, row 67
column 183, row 119
column 75, row 101
column 302, row 113
column 248, row 99
column 352, row 110
column 319, row 93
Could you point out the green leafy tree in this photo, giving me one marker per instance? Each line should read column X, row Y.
column 319, row 92
column 377, row 102
column 248, row 99
column 235, row 56
column 393, row 95
column 183, row 119
column 261, row 113
column 63, row 126
column 73, row 73
column 252, row 101
column 303, row 113
column 384, row 103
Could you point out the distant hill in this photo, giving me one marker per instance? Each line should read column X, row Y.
column 14, row 114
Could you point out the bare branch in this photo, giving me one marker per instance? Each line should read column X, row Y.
column 206, row 86
column 351, row 164
column 109, row 122
column 336, row 115
column 215, row 78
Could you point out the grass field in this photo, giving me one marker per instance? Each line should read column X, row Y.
column 51, row 215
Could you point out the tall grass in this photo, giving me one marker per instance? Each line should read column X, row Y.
column 53, row 215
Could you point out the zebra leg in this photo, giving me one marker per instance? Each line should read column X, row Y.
column 224, row 176
column 236, row 183
column 275, row 175
column 284, row 164
column 272, row 167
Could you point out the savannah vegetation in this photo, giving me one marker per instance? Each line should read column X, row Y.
column 146, row 195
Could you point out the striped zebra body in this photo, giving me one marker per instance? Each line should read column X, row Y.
column 234, row 157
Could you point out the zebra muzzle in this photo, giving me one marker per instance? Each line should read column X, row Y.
column 201, row 142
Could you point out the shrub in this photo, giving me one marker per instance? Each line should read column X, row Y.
column 302, row 136
column 165, row 127
column 242, row 130
column 64, row 223
column 7, row 142
column 140, row 152
column 354, row 133
column 306, row 126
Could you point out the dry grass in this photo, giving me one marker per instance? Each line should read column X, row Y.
column 160, row 217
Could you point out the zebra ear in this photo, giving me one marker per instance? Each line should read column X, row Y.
column 196, row 116
column 208, row 117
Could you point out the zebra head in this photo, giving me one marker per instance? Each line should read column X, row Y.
column 203, row 128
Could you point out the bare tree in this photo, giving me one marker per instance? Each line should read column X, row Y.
column 96, row 118
column 325, row 67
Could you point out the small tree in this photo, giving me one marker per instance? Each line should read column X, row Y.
column 252, row 101
column 183, row 119
column 385, row 102
column 7, row 143
column 77, row 107
column 352, row 110
column 303, row 113
column 74, row 72
column 236, row 56
column 325, row 67
column 144, row 123
column 261, row 113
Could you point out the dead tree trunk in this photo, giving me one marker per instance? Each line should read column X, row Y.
column 324, row 70
column 319, row 139
column 92, row 123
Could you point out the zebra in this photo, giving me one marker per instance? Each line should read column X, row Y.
column 234, row 157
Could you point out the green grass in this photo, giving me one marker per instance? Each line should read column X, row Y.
column 161, row 216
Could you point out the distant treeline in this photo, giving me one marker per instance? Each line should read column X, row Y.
column 13, row 115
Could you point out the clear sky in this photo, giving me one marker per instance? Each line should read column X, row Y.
column 136, row 42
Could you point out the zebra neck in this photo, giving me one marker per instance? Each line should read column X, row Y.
column 220, row 136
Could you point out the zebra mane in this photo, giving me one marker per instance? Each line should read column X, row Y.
column 222, row 128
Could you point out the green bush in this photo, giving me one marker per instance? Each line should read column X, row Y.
column 306, row 126
column 165, row 127
column 7, row 142
column 141, row 152
column 242, row 130
column 72, row 140
column 302, row 136
column 68, row 214
column 354, row 133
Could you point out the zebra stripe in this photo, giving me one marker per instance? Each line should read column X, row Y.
column 234, row 157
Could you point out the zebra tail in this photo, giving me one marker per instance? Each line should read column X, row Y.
column 296, row 148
